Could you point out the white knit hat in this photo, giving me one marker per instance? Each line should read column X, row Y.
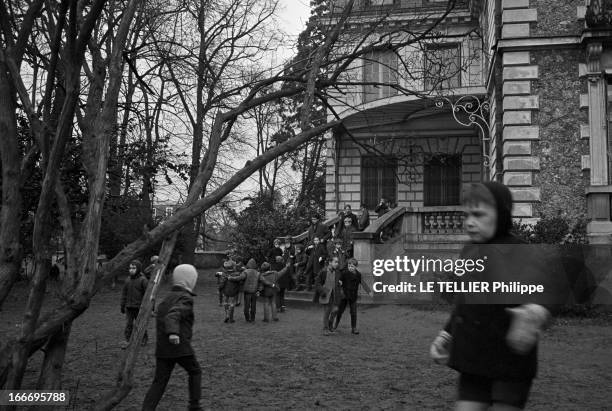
column 185, row 276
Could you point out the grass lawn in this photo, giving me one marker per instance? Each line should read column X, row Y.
column 291, row 365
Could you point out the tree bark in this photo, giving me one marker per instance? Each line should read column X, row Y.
column 10, row 213
column 50, row 377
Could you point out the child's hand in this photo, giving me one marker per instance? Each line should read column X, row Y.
column 371, row 294
column 340, row 283
column 174, row 339
column 525, row 328
column 440, row 348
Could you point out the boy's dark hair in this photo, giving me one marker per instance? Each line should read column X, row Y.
column 265, row 266
column 137, row 264
column 352, row 261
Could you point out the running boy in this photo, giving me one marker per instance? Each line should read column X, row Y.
column 350, row 279
column 493, row 346
column 174, row 332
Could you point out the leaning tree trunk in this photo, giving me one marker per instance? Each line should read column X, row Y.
column 10, row 213
column 50, row 377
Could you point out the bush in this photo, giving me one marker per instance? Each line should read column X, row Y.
column 261, row 222
column 552, row 230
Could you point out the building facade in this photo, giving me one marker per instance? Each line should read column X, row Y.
column 538, row 69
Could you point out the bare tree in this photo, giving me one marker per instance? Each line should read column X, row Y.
column 318, row 78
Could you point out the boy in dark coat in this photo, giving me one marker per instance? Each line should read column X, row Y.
column 252, row 282
column 269, row 280
column 301, row 259
column 239, row 268
column 364, row 218
column 350, row 280
column 174, row 332
column 317, row 229
column 316, row 261
column 493, row 346
column 230, row 287
column 276, row 251
column 131, row 297
column 329, row 293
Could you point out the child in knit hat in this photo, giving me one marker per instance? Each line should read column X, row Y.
column 174, row 333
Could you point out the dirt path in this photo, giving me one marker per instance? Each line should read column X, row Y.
column 291, row 365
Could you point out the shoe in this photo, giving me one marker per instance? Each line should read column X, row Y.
column 124, row 344
column 266, row 321
column 355, row 331
column 275, row 319
column 327, row 332
column 226, row 320
column 232, row 320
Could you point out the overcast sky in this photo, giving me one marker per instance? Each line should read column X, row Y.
column 292, row 18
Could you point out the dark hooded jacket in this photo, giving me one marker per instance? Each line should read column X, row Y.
column 175, row 316
column 252, row 277
column 479, row 330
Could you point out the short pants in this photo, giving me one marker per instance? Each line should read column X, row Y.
column 485, row 390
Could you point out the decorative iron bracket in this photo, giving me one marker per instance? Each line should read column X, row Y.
column 471, row 111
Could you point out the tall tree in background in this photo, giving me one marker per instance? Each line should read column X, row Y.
column 77, row 37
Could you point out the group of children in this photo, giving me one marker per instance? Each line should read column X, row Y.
column 492, row 346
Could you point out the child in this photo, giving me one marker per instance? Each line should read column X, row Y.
column 494, row 347
column 289, row 258
column 316, row 260
column 131, row 296
column 329, row 293
column 230, row 286
column 339, row 252
column 350, row 279
column 174, row 332
column 269, row 280
column 346, row 237
column 275, row 251
column 252, row 280
column 239, row 268
column 300, row 266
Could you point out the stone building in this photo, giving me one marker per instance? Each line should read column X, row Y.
column 541, row 64
column 538, row 69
